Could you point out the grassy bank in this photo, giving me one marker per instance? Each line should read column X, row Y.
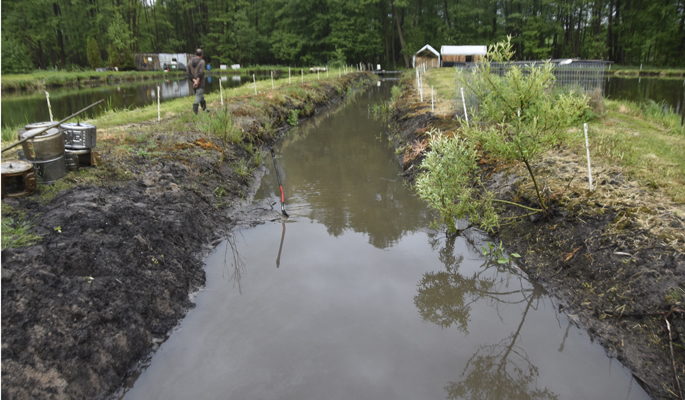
column 614, row 256
column 171, row 108
column 645, row 140
column 47, row 79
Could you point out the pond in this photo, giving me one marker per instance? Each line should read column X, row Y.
column 20, row 107
column 356, row 297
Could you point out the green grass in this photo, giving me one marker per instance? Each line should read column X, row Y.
column 16, row 232
column 645, row 143
column 184, row 104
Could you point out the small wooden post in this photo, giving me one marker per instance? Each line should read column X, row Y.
column 302, row 74
column 272, row 79
column 47, row 96
column 290, row 82
column 221, row 92
column 254, row 82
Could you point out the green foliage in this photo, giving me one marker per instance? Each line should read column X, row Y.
column 520, row 116
column 451, row 183
column 299, row 32
column 292, row 117
column 242, row 169
column 220, row 125
column 94, row 58
column 493, row 252
column 16, row 233
column 15, row 56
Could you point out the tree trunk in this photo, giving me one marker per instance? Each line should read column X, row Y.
column 447, row 15
column 392, row 32
column 399, row 32
column 60, row 38
column 610, row 40
column 384, row 18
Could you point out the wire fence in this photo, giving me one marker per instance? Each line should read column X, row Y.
column 586, row 76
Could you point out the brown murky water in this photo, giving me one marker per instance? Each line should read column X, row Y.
column 367, row 302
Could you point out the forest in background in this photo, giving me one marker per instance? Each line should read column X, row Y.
column 77, row 34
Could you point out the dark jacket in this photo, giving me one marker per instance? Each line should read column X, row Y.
column 196, row 69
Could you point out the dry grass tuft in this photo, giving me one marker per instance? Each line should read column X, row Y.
column 415, row 150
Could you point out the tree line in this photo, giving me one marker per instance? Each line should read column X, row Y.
column 69, row 34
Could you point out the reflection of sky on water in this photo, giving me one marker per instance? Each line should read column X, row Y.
column 364, row 302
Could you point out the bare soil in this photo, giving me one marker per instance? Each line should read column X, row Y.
column 610, row 258
column 119, row 258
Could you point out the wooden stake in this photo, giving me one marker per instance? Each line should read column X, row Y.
column 47, row 96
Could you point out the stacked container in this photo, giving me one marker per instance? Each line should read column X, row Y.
column 79, row 141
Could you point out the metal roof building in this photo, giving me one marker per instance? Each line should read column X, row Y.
column 452, row 55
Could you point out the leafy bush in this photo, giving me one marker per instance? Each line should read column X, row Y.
column 451, row 183
column 520, row 116
column 292, row 117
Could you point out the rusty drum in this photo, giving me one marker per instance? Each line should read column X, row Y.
column 18, row 178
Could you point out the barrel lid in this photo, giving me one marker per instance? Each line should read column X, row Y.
column 31, row 132
column 77, row 126
column 34, row 125
column 15, row 166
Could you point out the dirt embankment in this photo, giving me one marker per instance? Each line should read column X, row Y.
column 121, row 252
column 613, row 258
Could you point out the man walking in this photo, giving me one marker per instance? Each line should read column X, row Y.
column 196, row 74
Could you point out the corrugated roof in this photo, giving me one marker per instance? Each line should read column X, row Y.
column 463, row 50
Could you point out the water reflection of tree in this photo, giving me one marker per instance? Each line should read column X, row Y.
column 498, row 371
column 235, row 274
column 445, row 297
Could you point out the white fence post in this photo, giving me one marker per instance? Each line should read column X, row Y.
column 466, row 115
column 587, row 148
column 254, row 82
column 221, row 92
column 159, row 114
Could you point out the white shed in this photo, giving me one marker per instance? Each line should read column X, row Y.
column 461, row 54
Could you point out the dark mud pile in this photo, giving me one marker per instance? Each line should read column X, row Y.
column 611, row 277
column 112, row 275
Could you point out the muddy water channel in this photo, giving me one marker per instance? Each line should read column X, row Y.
column 355, row 297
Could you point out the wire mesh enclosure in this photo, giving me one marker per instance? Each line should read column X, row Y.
column 587, row 76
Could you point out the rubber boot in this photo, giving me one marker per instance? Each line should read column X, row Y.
column 203, row 103
column 195, row 108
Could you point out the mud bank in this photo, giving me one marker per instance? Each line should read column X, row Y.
column 122, row 245
column 600, row 255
